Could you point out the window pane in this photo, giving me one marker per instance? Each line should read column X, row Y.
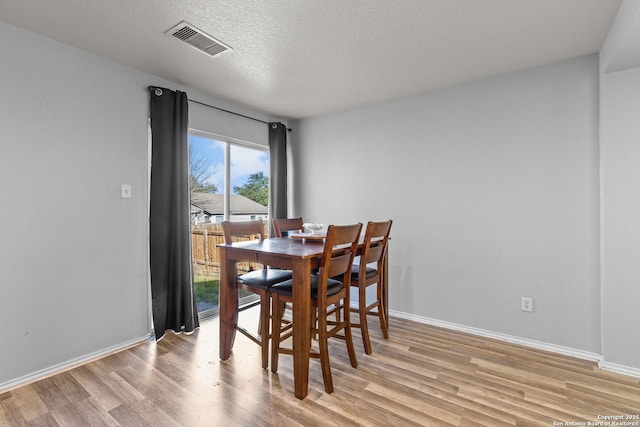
column 207, row 202
column 248, row 187
column 249, row 184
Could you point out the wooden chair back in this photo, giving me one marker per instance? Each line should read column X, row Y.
column 374, row 249
column 233, row 229
column 375, row 241
column 340, row 248
column 284, row 225
column 257, row 282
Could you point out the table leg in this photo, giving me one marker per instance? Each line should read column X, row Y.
column 301, row 325
column 228, row 304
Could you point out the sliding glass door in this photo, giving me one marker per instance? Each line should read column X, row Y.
column 229, row 180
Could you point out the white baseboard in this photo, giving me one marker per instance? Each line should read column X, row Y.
column 620, row 369
column 65, row 366
column 567, row 351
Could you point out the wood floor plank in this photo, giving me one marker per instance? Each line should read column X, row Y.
column 106, row 369
column 50, row 394
column 103, row 394
column 70, row 387
column 93, row 413
column 45, row 420
column 421, row 376
column 70, row 415
column 10, row 414
column 28, row 402
column 126, row 416
column 400, row 412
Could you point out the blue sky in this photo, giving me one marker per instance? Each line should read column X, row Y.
column 244, row 161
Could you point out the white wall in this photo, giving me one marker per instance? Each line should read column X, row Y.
column 620, row 160
column 74, row 254
column 494, row 191
column 73, row 257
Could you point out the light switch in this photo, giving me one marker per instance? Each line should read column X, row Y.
column 125, row 191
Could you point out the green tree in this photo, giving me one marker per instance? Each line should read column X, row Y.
column 256, row 188
column 201, row 170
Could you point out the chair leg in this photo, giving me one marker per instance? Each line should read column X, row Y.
column 347, row 335
column 364, row 327
column 276, row 323
column 264, row 328
column 324, row 352
column 382, row 312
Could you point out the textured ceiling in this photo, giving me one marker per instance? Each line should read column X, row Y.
column 300, row 58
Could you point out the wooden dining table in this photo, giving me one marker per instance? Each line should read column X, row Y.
column 295, row 254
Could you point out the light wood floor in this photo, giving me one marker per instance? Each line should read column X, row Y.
column 422, row 375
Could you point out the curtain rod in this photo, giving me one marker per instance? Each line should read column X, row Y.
column 230, row 112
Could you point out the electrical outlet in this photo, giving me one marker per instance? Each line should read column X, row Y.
column 526, row 304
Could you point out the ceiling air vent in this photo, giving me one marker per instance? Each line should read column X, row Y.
column 198, row 39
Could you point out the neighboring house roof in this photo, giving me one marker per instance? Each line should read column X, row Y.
column 213, row 204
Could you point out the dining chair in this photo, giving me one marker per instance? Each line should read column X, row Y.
column 282, row 226
column 375, row 242
column 329, row 296
column 258, row 282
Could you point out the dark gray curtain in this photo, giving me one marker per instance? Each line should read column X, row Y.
column 174, row 304
column 278, row 177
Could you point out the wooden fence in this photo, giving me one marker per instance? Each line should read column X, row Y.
column 205, row 254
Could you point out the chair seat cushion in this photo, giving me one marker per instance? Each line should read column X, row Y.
column 371, row 272
column 265, row 278
column 286, row 288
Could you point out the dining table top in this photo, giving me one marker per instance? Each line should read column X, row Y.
column 301, row 244
column 298, row 248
